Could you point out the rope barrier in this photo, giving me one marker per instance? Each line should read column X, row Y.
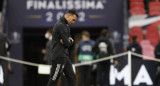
column 19, row 61
column 83, row 63
column 101, row 59
column 146, row 57
column 76, row 65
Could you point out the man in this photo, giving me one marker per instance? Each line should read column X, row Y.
column 157, row 54
column 4, row 48
column 61, row 41
column 85, row 54
column 46, row 51
column 136, row 61
column 135, row 47
column 103, row 47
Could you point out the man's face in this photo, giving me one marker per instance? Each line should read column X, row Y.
column 85, row 38
column 71, row 19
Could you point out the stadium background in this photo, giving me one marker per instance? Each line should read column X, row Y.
column 25, row 23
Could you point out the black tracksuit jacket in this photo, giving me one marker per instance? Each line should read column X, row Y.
column 137, row 47
column 61, row 30
column 109, row 47
column 3, row 41
column 157, row 52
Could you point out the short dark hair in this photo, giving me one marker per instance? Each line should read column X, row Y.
column 86, row 33
column 50, row 30
column 104, row 32
column 72, row 12
column 134, row 38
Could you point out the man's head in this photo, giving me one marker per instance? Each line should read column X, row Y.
column 71, row 16
column 134, row 38
column 104, row 32
column 48, row 34
column 85, row 35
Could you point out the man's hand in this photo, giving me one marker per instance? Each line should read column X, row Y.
column 71, row 40
column 9, row 67
column 61, row 41
column 43, row 51
column 116, row 64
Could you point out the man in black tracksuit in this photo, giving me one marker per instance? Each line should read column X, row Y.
column 4, row 47
column 157, row 54
column 103, row 47
column 136, row 61
column 61, row 41
column 135, row 47
column 47, row 53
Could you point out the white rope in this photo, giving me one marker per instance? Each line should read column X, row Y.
column 101, row 59
column 19, row 61
column 76, row 65
column 83, row 63
column 146, row 57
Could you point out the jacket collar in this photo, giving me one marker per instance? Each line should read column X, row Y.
column 63, row 19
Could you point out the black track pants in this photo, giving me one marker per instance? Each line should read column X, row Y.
column 85, row 75
column 103, row 73
column 157, row 79
column 59, row 66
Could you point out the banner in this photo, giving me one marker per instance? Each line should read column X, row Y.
column 143, row 74
column 92, row 13
column 1, row 75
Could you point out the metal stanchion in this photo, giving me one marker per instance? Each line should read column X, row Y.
column 130, row 68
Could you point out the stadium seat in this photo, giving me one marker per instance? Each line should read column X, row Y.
column 135, row 0
column 147, row 49
column 153, row 3
column 154, row 8
column 136, row 31
column 157, row 23
column 136, row 4
column 137, row 7
column 137, row 11
column 152, row 34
